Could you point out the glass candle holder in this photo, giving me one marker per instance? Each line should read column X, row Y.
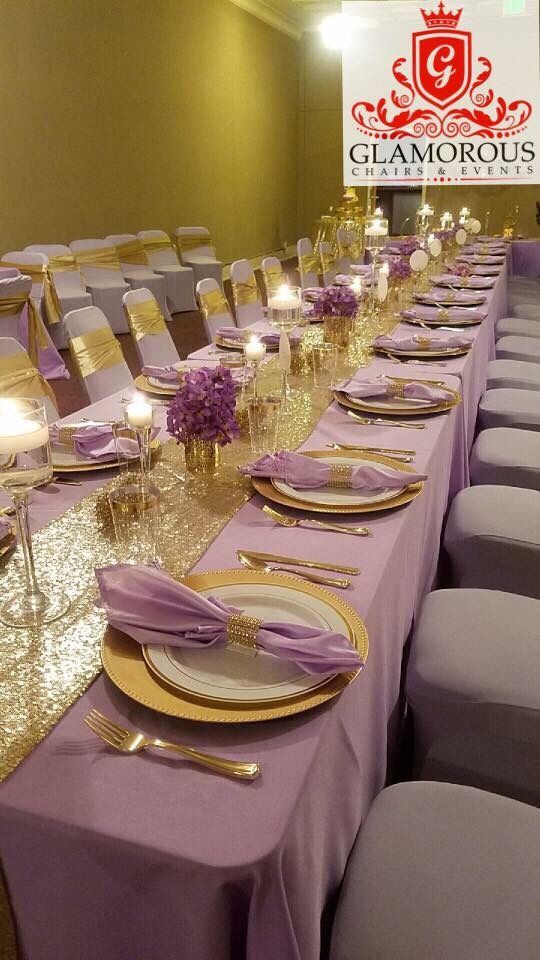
column 139, row 416
column 135, row 511
column 324, row 362
column 264, row 414
column 284, row 313
column 25, row 462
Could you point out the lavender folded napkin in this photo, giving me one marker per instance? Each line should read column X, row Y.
column 312, row 293
column 268, row 336
column 307, row 473
column 479, row 270
column 452, row 341
column 168, row 373
column 361, row 269
column 444, row 313
column 385, row 387
column 152, row 608
column 476, row 258
column 463, row 282
column 96, row 442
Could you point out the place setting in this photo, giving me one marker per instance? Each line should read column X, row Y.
column 395, row 396
column 460, row 283
column 422, row 347
column 437, row 315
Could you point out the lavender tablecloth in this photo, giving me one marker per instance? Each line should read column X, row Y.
column 152, row 859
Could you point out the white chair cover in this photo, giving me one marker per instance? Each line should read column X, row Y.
column 200, row 256
column 154, row 349
column 329, row 262
column 107, row 286
column 308, row 263
column 141, row 274
column 519, row 348
column 214, row 307
column 69, row 286
column 517, row 326
column 11, row 324
column 273, row 275
column 507, row 457
column 513, row 375
column 9, row 347
column 6, row 272
column 246, row 294
column 109, row 379
column 163, row 259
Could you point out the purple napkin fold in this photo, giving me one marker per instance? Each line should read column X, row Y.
column 465, row 283
column 307, row 473
column 445, row 313
column 268, row 336
column 96, row 442
column 451, row 341
column 361, row 269
column 152, row 608
column 168, row 373
column 383, row 387
column 475, row 258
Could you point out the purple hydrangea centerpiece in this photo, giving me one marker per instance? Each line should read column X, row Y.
column 204, row 407
column 336, row 302
column 399, row 270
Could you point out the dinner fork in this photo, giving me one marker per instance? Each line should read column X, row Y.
column 133, row 741
column 378, row 421
column 309, row 522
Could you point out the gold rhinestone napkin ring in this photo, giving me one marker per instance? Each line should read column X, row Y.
column 340, row 476
column 396, row 390
column 243, row 630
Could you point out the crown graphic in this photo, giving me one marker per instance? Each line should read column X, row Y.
column 441, row 17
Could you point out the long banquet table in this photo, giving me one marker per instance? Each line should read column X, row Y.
column 150, row 857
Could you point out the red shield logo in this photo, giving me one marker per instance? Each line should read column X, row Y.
column 442, row 65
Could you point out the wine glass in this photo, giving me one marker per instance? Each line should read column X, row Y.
column 25, row 462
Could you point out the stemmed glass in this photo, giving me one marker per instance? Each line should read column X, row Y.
column 284, row 313
column 25, row 462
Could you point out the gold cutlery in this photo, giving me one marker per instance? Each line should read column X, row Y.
column 308, row 522
column 264, row 567
column 431, row 383
column 67, row 480
column 133, row 741
column 378, row 421
column 389, row 450
column 422, row 363
column 312, row 564
column 7, row 511
column 403, row 458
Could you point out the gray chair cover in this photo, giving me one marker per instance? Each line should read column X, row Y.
column 519, row 348
column 492, row 538
column 528, row 310
column 516, row 326
column 474, row 669
column 441, row 872
column 510, row 408
column 513, row 375
column 508, row 457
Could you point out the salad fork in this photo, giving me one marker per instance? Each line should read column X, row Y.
column 285, row 521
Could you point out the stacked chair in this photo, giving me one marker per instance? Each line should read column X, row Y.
column 215, row 309
column 246, row 294
column 136, row 269
column 96, row 353
column 197, row 251
column 163, row 259
column 153, row 342
column 100, row 269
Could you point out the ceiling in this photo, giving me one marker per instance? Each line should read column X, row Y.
column 291, row 16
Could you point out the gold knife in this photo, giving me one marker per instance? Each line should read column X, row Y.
column 293, row 561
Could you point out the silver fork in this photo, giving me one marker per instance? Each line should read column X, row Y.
column 133, row 741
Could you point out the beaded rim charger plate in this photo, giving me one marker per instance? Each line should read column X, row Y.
column 85, row 466
column 398, row 408
column 441, row 322
column 125, row 664
column 268, row 489
column 424, row 354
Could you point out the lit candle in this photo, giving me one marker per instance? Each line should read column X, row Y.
column 376, row 230
column 385, row 269
column 382, row 286
column 446, row 220
column 18, row 435
column 356, row 286
column 284, row 299
column 378, row 212
column 426, row 211
column 139, row 413
column 254, row 350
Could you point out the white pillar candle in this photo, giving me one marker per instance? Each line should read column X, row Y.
column 254, row 350
column 284, row 299
column 382, row 287
column 284, row 353
column 139, row 413
column 376, row 230
column 356, row 287
column 20, row 436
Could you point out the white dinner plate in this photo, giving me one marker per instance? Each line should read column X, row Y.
column 230, row 673
column 337, row 497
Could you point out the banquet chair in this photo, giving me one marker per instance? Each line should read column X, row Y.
column 516, row 327
column 308, row 263
column 461, row 682
column 197, row 251
column 214, row 307
column 20, row 378
column 492, row 539
column 96, row 353
column 527, row 309
column 345, row 257
column 355, row 245
column 100, row 269
column 329, row 263
column 153, row 342
column 441, row 872
column 506, row 456
column 519, row 348
column 163, row 259
column 509, row 408
column 513, row 375
column 273, row 275
column 136, row 269
column 68, row 285
column 246, row 294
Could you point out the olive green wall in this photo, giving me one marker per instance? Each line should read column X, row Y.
column 321, row 163
column 120, row 115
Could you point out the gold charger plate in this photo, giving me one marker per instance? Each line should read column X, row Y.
column 441, row 322
column 7, row 543
column 123, row 662
column 423, row 354
column 239, row 344
column 155, row 447
column 267, row 489
column 144, row 384
column 367, row 407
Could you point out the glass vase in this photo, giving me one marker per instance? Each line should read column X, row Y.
column 202, row 456
column 338, row 330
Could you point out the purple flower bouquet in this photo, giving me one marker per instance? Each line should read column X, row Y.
column 202, row 416
column 338, row 307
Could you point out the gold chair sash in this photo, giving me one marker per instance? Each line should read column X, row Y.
column 274, row 277
column 37, row 338
column 309, row 263
column 154, row 246
column 190, row 241
column 132, row 251
column 96, row 350
column 61, row 262
column 19, row 378
column 245, row 292
column 214, row 303
column 328, row 260
column 103, row 257
column 145, row 319
column 41, row 273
